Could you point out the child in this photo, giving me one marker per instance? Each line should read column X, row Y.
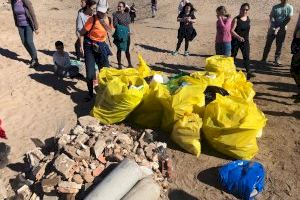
column 295, row 65
column 62, row 62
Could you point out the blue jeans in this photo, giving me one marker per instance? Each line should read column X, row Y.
column 26, row 34
column 223, row 48
column 91, row 58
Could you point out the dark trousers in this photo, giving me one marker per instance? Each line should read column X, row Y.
column 280, row 37
column 91, row 59
column 245, row 49
column 77, row 49
column 26, row 34
column 186, row 46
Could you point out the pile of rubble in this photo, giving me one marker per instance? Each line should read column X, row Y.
column 84, row 156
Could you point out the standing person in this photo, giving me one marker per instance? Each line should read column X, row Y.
column 121, row 21
column 223, row 37
column 103, row 4
column 181, row 5
column 280, row 16
column 95, row 49
column 186, row 30
column 83, row 14
column 153, row 7
column 132, row 12
column 25, row 20
column 295, row 64
column 240, row 31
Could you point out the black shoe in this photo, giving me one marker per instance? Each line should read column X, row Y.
column 250, row 75
column 34, row 63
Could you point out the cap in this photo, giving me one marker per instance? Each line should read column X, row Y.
column 102, row 9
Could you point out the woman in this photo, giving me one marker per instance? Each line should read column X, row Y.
column 121, row 21
column 83, row 14
column 95, row 49
column 186, row 30
column 132, row 13
column 223, row 37
column 240, row 31
column 295, row 65
column 26, row 22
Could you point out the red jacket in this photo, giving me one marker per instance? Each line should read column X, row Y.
column 2, row 132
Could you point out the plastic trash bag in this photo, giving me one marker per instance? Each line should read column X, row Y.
column 186, row 133
column 143, row 69
column 150, row 111
column 107, row 74
column 231, row 124
column 238, row 86
column 178, row 82
column 220, row 64
column 244, row 179
column 187, row 100
column 118, row 98
column 211, row 91
column 211, row 78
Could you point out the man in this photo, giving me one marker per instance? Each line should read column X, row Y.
column 153, row 7
column 280, row 16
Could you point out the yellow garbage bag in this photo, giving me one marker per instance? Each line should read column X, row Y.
column 211, row 78
column 143, row 69
column 107, row 74
column 188, row 99
column 178, row 83
column 118, row 98
column 221, row 64
column 238, row 86
column 186, row 133
column 230, row 125
column 150, row 111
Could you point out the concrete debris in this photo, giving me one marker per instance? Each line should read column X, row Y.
column 24, row 192
column 65, row 165
column 84, row 154
column 68, row 187
column 88, row 121
column 34, row 157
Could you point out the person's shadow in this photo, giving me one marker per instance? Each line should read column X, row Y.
column 12, row 55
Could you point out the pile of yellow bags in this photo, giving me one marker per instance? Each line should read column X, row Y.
column 230, row 124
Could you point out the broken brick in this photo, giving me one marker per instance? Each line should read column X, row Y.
column 49, row 184
column 99, row 147
column 87, row 176
column 77, row 179
column 65, row 165
column 102, row 158
column 68, row 187
column 98, row 170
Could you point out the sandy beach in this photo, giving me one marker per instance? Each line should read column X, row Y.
column 35, row 104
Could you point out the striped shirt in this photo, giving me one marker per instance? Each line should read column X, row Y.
column 121, row 19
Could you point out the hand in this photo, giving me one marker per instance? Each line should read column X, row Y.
column 276, row 30
column 241, row 39
column 81, row 51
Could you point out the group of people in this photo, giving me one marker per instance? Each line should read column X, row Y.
column 93, row 27
column 232, row 34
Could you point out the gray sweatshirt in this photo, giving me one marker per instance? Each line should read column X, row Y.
column 80, row 21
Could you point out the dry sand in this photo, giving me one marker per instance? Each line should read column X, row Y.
column 34, row 104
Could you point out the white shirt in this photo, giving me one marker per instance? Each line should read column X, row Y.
column 62, row 60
